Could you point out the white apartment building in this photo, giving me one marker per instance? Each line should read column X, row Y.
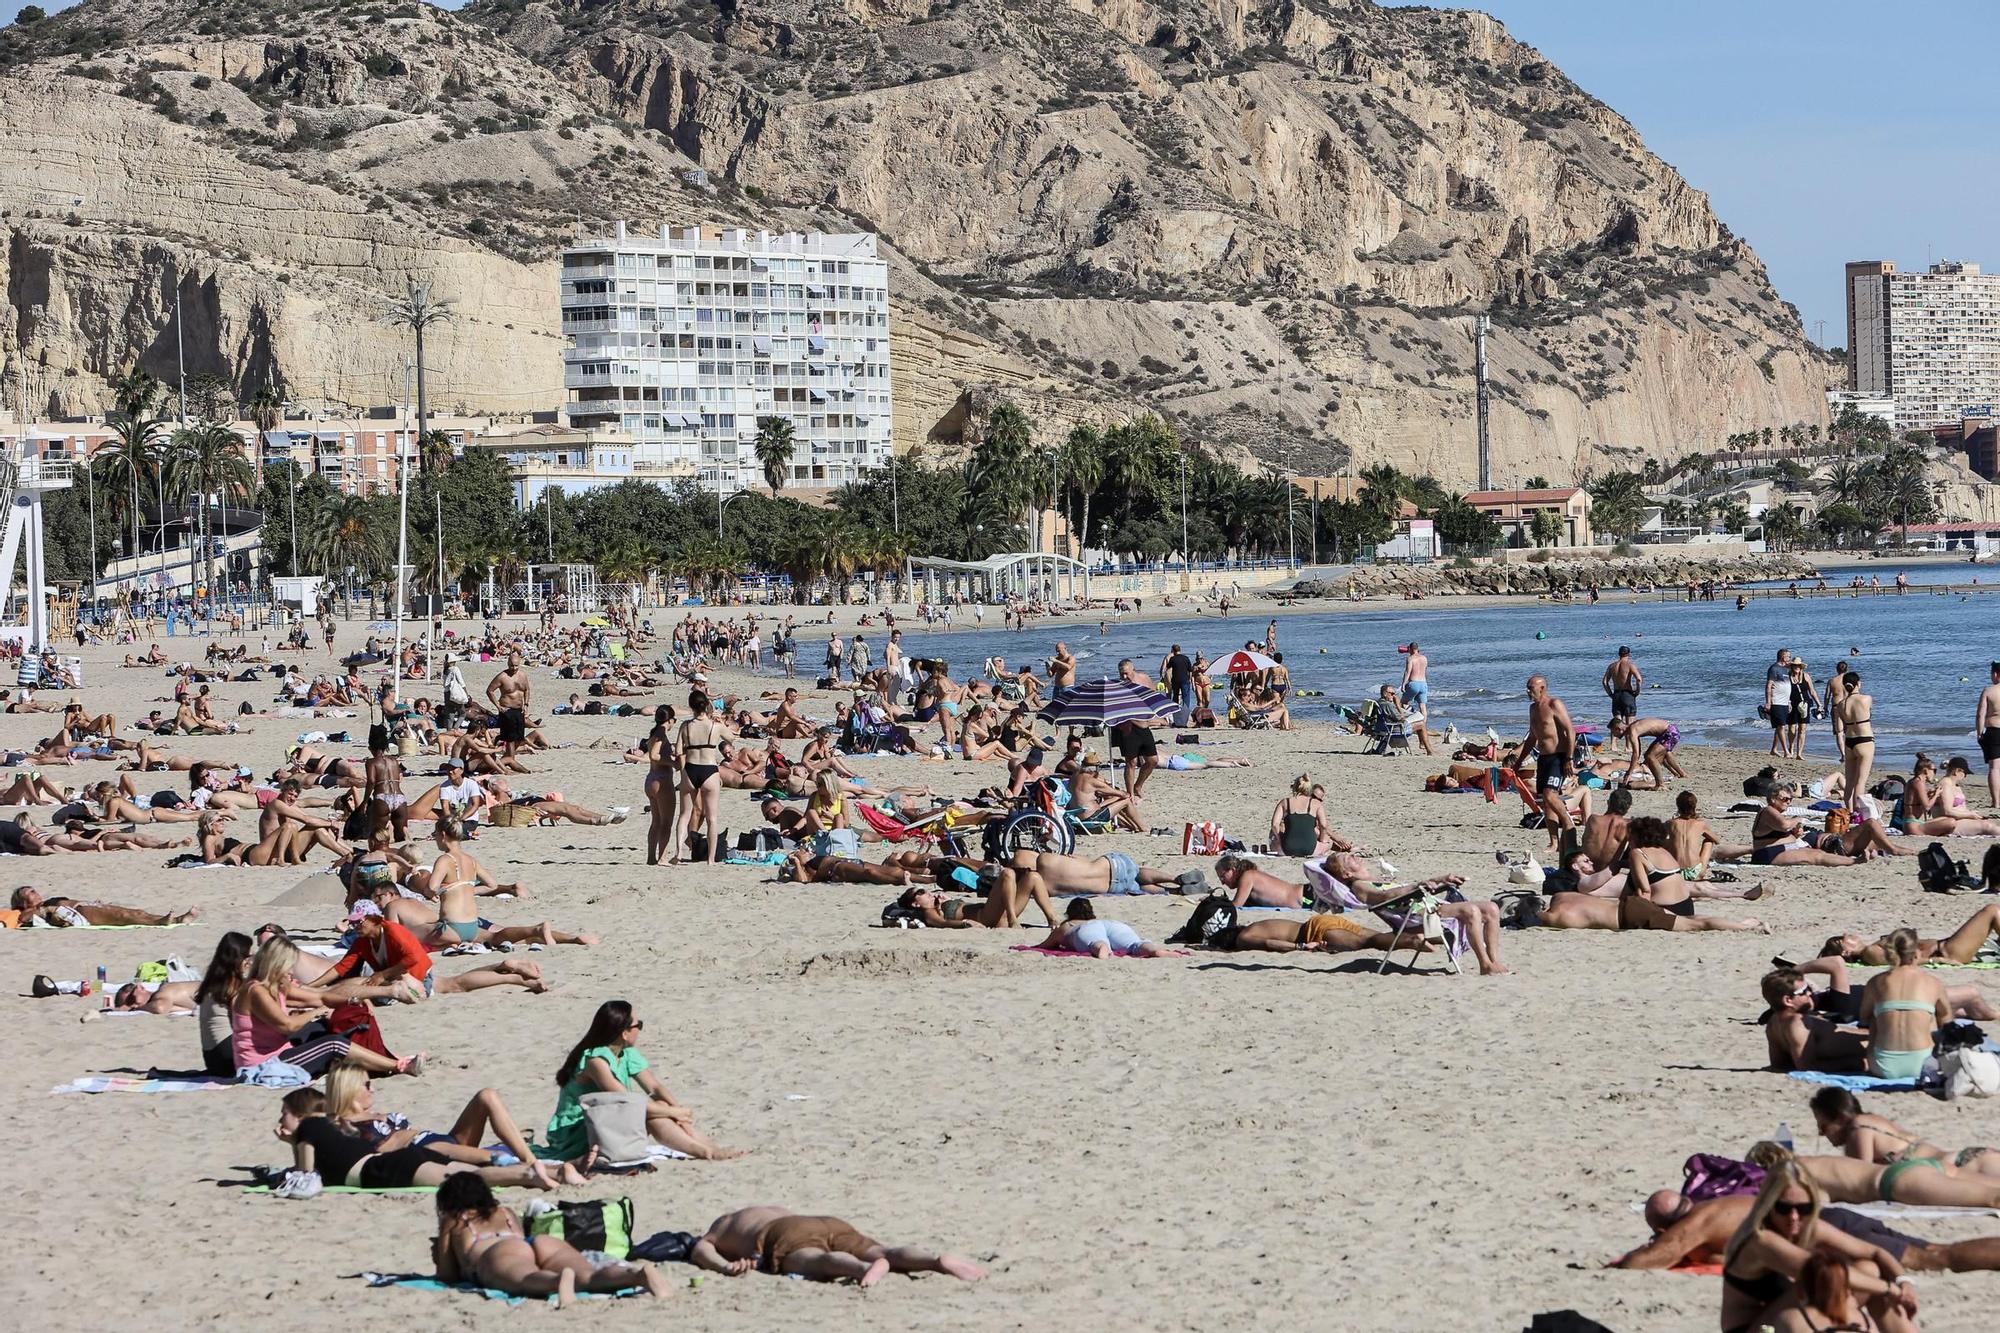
column 684, row 338
column 1930, row 341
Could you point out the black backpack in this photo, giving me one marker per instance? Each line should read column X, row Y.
column 1938, row 873
column 1212, row 916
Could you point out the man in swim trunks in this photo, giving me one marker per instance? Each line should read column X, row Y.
column 1062, row 668
column 29, row 902
column 1554, row 738
column 1986, row 725
column 1622, row 681
column 1659, row 739
column 1416, row 686
column 1778, row 699
column 1114, row 872
column 1687, row 1232
column 508, row 693
column 824, row 1249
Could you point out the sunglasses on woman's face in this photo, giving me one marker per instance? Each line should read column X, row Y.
column 1791, row 1209
column 636, row 1025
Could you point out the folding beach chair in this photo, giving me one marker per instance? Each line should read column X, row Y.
column 1413, row 913
column 1388, row 729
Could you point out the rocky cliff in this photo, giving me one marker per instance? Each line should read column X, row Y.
column 1271, row 220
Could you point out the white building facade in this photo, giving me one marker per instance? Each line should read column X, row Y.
column 1930, row 341
column 683, row 339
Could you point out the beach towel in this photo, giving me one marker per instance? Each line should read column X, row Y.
column 1855, row 1082
column 353, row 1189
column 1895, row 1212
column 170, row 925
column 419, row 1282
column 120, row 1084
column 755, row 859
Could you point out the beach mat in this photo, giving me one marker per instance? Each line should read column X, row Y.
column 142, row 1085
column 421, row 1282
column 1855, row 1082
column 315, row 890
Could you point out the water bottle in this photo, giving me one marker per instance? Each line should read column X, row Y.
column 1783, row 1138
column 100, row 976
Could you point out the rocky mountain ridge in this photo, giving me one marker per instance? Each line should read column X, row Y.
column 1271, row 220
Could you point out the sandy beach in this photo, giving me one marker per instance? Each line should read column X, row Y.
column 1230, row 1141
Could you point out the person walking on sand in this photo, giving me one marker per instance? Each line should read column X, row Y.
column 1986, row 724
column 1622, row 681
column 1554, row 738
column 1778, row 700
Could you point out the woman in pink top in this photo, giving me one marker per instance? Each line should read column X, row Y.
column 262, row 1027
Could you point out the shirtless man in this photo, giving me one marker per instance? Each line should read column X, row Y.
column 508, row 693
column 1604, row 834
column 1798, row 1035
column 1694, row 843
column 1687, row 1232
column 825, row 1249
column 1114, row 872
column 1986, row 725
column 1062, row 668
column 785, row 722
column 1250, row 885
column 1623, row 681
column 388, row 807
column 1653, row 741
column 1554, row 738
column 169, row 997
column 28, row 901
column 897, row 868
column 1093, row 797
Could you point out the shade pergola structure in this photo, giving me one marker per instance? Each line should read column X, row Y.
column 1026, row 574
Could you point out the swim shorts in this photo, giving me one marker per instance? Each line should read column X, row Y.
column 1124, row 873
column 787, row 1234
column 1989, row 744
column 1781, row 716
column 1417, row 692
column 513, row 725
column 1550, row 771
column 1624, row 703
column 1323, row 925
column 1669, row 740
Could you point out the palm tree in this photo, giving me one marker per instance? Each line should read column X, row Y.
column 1784, row 526
column 130, row 462
column 345, row 539
column 1843, row 481
column 1083, row 464
column 1735, row 516
column 267, row 409
column 208, row 459
column 418, row 310
column 135, row 394
column 776, row 441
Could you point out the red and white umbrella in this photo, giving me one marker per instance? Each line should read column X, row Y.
column 1241, row 662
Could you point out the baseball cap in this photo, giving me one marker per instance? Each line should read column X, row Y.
column 362, row 910
column 454, row 762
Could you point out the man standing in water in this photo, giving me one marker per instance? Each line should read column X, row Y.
column 1178, row 673
column 1623, row 681
column 1778, row 699
column 508, row 693
column 1554, row 738
column 1987, row 724
column 1416, row 690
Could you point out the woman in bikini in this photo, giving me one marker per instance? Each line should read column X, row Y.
column 1935, row 806
column 1901, row 1008
column 1655, row 895
column 1963, row 945
column 1856, row 712
column 479, row 1241
column 455, row 883
column 320, row 1144
column 1777, row 839
column 350, row 1103
column 1780, row 1235
column 662, row 799
column 701, row 763
column 1874, row 1138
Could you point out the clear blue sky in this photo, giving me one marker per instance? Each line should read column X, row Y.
column 1821, row 131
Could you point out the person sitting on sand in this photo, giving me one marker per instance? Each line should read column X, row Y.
column 1687, row 1231
column 1655, row 896
column 1479, row 920
column 1094, row 800
column 1874, row 1138
column 1659, row 739
column 1694, row 842
column 824, row 1249
column 1902, row 1008
column 1980, row 935
column 350, row 1103
column 29, row 902
column 1779, row 840
column 1808, row 1029
column 1918, row 1181
column 267, row 1033
column 479, row 1241
column 1082, row 932
column 322, row 1147
column 1114, row 872
column 1934, row 809
column 395, row 954
column 1781, row 1234
column 608, row 1060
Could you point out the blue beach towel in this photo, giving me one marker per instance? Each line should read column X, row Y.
column 418, row 1282
column 1855, row 1082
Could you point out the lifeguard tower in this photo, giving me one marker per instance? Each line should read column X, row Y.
column 23, row 483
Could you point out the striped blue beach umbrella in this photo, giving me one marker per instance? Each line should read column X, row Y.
column 1105, row 703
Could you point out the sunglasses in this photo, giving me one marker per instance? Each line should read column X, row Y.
column 1791, row 1209
column 636, row 1025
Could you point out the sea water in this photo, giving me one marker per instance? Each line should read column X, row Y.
column 1923, row 656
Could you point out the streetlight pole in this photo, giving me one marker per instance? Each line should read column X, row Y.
column 292, row 466
column 1291, row 538
column 1186, row 557
column 402, row 557
column 180, row 356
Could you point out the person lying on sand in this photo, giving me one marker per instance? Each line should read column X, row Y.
column 1479, row 920
column 1913, row 1180
column 168, row 997
column 897, row 868
column 824, row 1249
column 1687, row 1232
column 480, row 1241
column 29, row 902
column 350, row 1102
column 1655, row 896
column 1874, row 1138
column 1114, row 872
column 1961, row 946
column 1005, row 893
column 321, row 1146
column 77, row 836
column 552, row 808
column 1082, row 932
column 1214, row 925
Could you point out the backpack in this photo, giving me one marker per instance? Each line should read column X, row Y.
column 588, row 1224
column 1211, row 917
column 1939, row 873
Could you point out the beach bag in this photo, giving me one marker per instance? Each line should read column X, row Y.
column 1937, row 872
column 1837, row 822
column 604, row 1225
column 513, row 816
column 616, row 1124
column 1970, row 1071
column 1203, row 839
column 1709, row 1176
column 1212, row 915
column 844, row 843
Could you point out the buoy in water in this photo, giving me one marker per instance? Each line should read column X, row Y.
column 1322, row 652
column 1541, row 634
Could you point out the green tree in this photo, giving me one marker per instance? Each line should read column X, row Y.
column 1735, row 516
column 1784, row 527
column 1535, row 483
column 1083, row 470
column 344, row 538
column 130, row 465
column 30, row 14
column 776, row 441
column 1546, row 527
column 1463, row 527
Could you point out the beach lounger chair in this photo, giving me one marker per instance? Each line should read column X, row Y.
column 1388, row 729
column 1250, row 719
column 1004, row 687
column 1413, row 913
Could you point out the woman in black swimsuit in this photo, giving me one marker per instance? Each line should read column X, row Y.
column 1298, row 824
column 1780, row 1235
column 319, row 1144
column 662, row 796
column 701, row 768
column 1857, row 713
